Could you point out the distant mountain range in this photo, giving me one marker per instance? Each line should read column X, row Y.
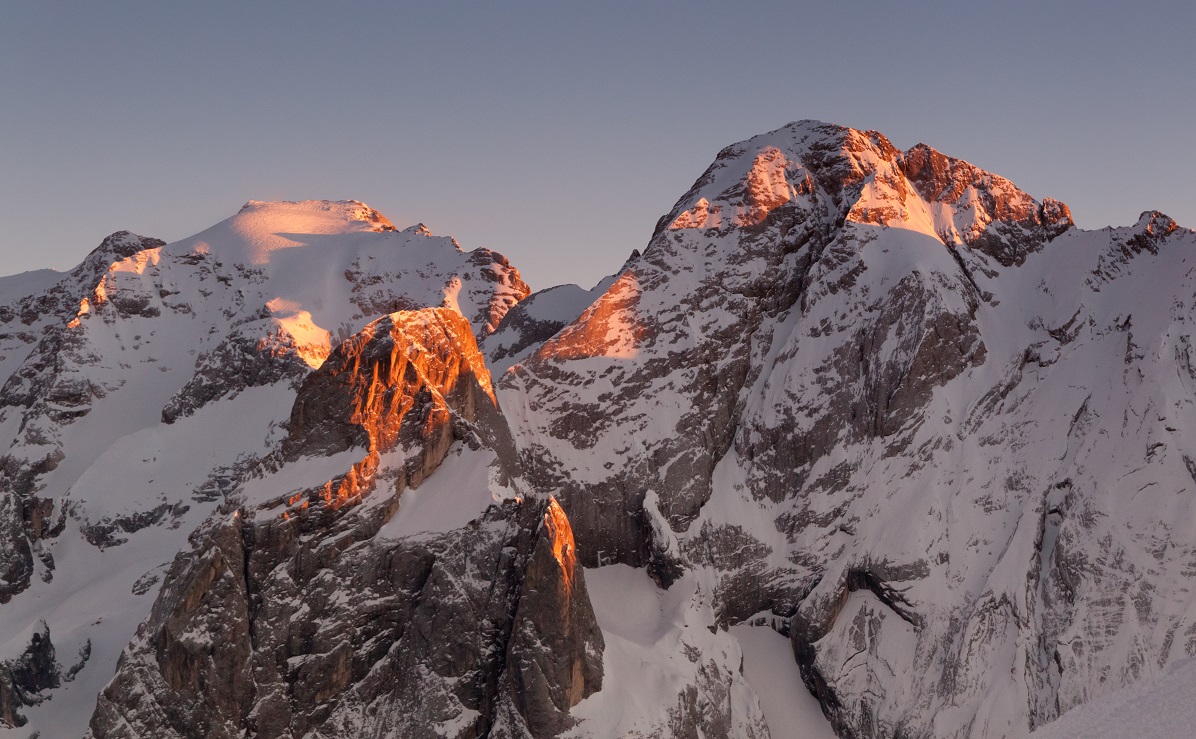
column 864, row 442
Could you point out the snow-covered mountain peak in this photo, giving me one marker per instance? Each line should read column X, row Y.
column 341, row 261
column 260, row 229
column 853, row 338
column 321, row 216
column 1154, row 223
column 119, row 245
column 749, row 180
column 871, row 427
column 837, row 174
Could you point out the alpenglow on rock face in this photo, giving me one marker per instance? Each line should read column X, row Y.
column 865, row 442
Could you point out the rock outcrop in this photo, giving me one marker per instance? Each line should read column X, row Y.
column 25, row 679
column 486, row 631
column 258, row 353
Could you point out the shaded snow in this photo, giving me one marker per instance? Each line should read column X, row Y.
column 770, row 668
column 1158, row 707
column 459, row 491
column 91, row 596
column 301, row 474
column 15, row 287
column 654, row 641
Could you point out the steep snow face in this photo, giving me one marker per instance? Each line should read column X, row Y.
column 142, row 386
column 901, row 407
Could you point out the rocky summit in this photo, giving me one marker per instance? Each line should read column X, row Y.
column 862, row 443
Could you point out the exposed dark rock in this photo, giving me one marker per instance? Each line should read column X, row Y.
column 16, row 556
column 107, row 531
column 23, row 680
column 322, row 638
column 256, row 354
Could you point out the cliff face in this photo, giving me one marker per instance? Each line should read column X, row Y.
column 477, row 632
column 878, row 410
column 362, row 395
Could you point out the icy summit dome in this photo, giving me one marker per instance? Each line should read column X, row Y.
column 261, row 228
column 320, row 216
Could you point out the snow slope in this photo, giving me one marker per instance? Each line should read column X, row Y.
column 656, row 649
column 768, row 666
column 1157, row 707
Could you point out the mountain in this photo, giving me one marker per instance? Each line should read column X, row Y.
column 864, row 442
column 144, row 384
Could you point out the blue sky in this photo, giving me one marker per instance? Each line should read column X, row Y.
column 557, row 133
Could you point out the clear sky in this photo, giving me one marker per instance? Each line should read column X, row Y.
column 558, row 133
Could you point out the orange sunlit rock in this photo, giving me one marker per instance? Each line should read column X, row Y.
column 429, row 348
column 394, row 384
column 767, row 186
column 772, row 181
column 697, row 217
column 611, row 327
column 561, row 534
